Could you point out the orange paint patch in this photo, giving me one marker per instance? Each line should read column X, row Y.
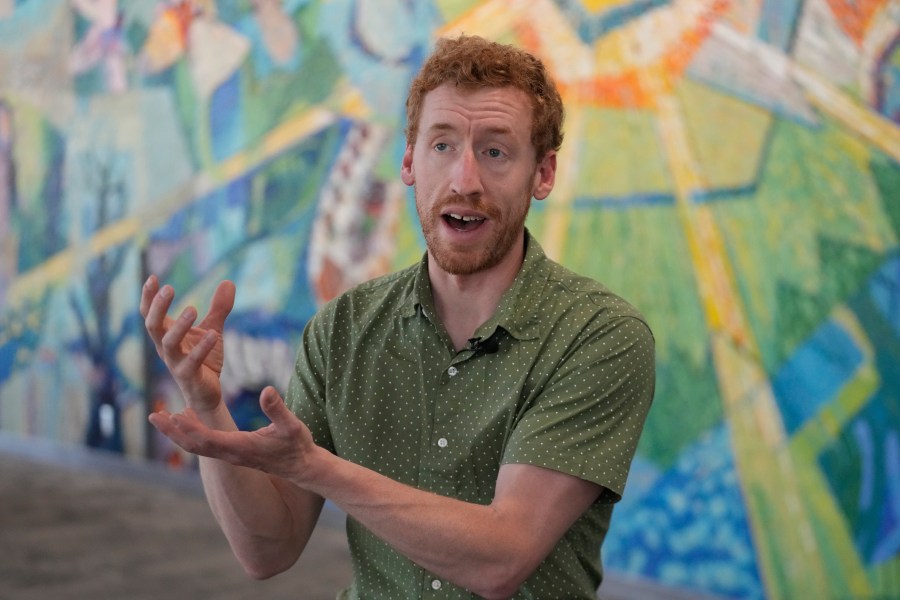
column 639, row 87
column 855, row 16
column 598, row 5
column 181, row 16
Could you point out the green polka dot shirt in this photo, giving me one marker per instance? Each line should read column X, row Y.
column 563, row 379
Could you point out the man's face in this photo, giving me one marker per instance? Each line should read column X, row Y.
column 474, row 171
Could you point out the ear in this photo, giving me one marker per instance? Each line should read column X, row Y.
column 544, row 176
column 407, row 172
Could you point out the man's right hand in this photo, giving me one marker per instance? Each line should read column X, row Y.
column 193, row 354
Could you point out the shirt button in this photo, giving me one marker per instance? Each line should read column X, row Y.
column 452, row 371
column 442, row 442
column 436, row 584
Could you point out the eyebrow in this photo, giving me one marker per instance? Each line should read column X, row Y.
column 495, row 130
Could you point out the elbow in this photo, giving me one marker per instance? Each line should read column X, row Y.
column 498, row 590
column 260, row 569
column 501, row 582
column 260, row 572
column 498, row 593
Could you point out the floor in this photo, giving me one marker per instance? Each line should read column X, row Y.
column 78, row 525
column 120, row 531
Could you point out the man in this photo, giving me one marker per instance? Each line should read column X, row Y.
column 474, row 415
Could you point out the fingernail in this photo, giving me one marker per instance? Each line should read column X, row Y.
column 166, row 291
column 189, row 314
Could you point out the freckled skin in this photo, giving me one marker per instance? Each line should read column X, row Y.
column 473, row 157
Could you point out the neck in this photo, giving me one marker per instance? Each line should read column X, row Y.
column 465, row 302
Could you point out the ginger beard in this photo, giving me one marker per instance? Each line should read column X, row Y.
column 457, row 260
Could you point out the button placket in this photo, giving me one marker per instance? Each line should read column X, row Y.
column 452, row 371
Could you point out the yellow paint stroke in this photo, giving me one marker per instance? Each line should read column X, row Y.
column 878, row 130
column 559, row 209
column 858, row 118
column 598, row 5
column 878, row 39
column 637, row 66
column 822, row 431
column 154, row 214
column 776, row 494
column 488, row 19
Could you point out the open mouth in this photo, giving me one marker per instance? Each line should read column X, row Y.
column 463, row 223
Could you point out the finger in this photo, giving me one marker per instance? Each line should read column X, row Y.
column 186, row 431
column 155, row 319
column 173, row 337
column 205, row 349
column 220, row 307
column 151, row 287
column 163, row 423
column 273, row 406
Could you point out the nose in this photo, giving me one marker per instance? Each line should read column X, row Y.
column 466, row 178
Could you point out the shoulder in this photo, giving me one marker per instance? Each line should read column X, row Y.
column 389, row 292
column 586, row 300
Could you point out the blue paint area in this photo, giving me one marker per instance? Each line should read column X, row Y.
column 862, row 467
column 301, row 304
column 887, row 82
column 623, row 202
column 29, row 17
column 593, row 26
column 778, row 22
column 862, row 464
column 17, row 350
column 8, row 352
column 885, row 291
column 645, row 199
column 245, row 410
column 261, row 324
column 226, row 118
column 263, row 65
column 815, row 374
column 380, row 62
column 687, row 527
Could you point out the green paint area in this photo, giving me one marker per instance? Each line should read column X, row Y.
column 608, row 142
column 271, row 100
column 727, row 136
column 642, row 255
column 38, row 215
column 886, row 173
column 453, row 9
column 808, row 237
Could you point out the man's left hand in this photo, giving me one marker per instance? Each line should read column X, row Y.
column 284, row 448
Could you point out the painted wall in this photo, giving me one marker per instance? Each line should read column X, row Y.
column 730, row 166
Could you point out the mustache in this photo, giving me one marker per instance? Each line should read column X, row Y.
column 476, row 204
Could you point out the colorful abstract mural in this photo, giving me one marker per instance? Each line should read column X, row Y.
column 732, row 167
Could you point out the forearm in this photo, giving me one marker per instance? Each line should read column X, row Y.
column 249, row 505
column 266, row 520
column 472, row 545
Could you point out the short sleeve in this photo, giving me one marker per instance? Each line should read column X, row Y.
column 307, row 388
column 587, row 419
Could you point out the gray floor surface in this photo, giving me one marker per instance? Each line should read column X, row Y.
column 79, row 525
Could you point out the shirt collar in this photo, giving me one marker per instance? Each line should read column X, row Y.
column 517, row 311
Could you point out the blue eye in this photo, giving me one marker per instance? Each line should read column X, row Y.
column 494, row 153
column 441, row 146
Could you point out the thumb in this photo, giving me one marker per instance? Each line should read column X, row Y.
column 273, row 406
column 220, row 307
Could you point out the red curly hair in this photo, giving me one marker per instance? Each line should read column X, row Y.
column 473, row 62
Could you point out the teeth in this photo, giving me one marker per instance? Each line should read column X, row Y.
column 466, row 219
